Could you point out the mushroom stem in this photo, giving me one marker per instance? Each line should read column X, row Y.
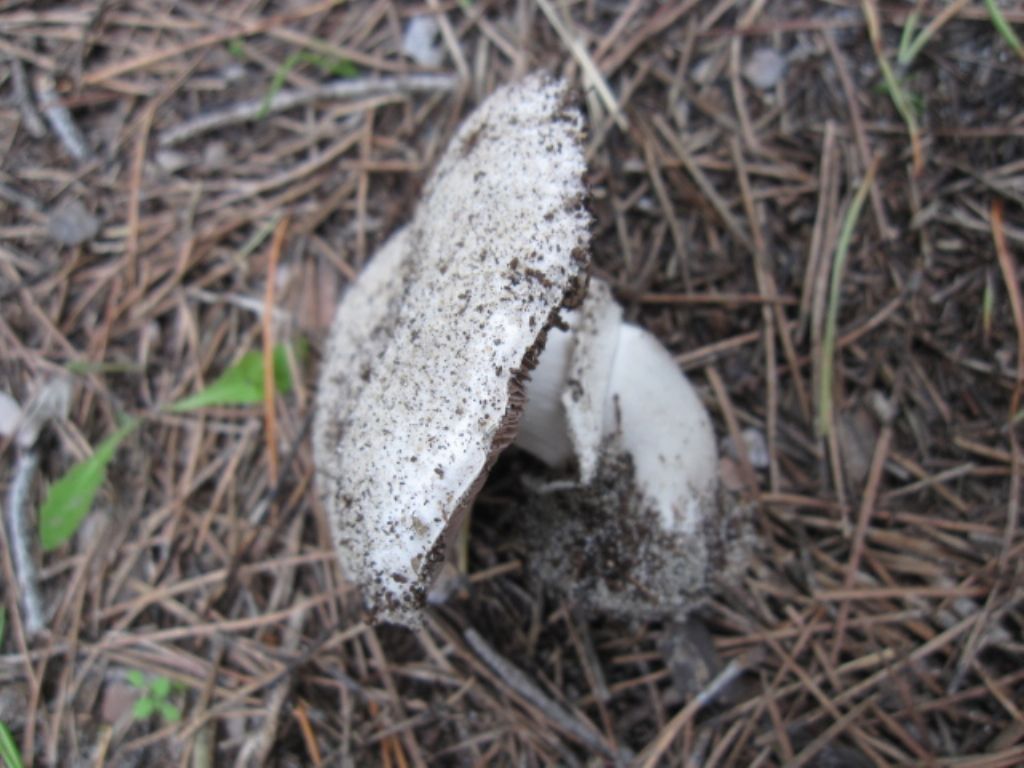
column 604, row 382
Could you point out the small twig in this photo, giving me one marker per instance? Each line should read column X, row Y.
column 867, row 510
column 60, row 119
column 17, row 533
column 520, row 682
column 269, row 415
column 23, row 98
column 590, row 69
column 51, row 403
column 650, row 756
column 1008, row 266
column 284, row 100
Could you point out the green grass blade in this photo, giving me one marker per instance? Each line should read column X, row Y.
column 70, row 498
column 1003, row 27
column 9, row 751
column 330, row 65
column 907, row 49
column 277, row 83
column 826, row 363
column 241, row 384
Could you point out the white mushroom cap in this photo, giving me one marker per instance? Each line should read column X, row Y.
column 421, row 384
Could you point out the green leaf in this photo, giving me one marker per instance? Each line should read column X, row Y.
column 241, row 384
column 137, row 679
column 161, row 687
column 71, row 497
column 9, row 752
column 144, row 708
column 169, row 712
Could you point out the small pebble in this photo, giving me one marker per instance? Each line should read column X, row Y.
column 172, row 161
column 757, row 448
column 764, row 68
column 418, row 42
column 72, row 224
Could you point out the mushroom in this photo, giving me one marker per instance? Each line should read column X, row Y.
column 422, row 385
column 473, row 327
column 644, row 529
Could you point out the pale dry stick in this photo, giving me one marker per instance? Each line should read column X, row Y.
column 247, row 29
column 18, row 538
column 803, row 631
column 702, row 181
column 867, row 510
column 518, row 681
column 765, row 286
column 284, row 100
column 813, row 687
column 369, row 637
column 135, row 188
column 450, row 39
column 708, row 298
column 256, row 750
column 937, row 481
column 591, row 74
column 830, row 734
column 652, row 753
column 666, row 15
column 30, row 118
column 269, row 383
column 860, row 135
column 51, row 403
column 615, row 32
column 739, row 99
column 710, row 352
column 365, row 138
column 1008, row 266
column 733, row 426
column 812, row 296
column 60, row 119
column 579, row 635
column 668, row 210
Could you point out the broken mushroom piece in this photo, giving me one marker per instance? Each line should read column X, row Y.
column 424, row 367
column 644, row 529
column 427, row 378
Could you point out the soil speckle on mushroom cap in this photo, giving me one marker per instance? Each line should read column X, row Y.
column 436, row 383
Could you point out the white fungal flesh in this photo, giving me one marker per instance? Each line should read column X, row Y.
column 643, row 530
column 603, row 383
column 666, row 430
column 590, row 376
column 418, row 384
